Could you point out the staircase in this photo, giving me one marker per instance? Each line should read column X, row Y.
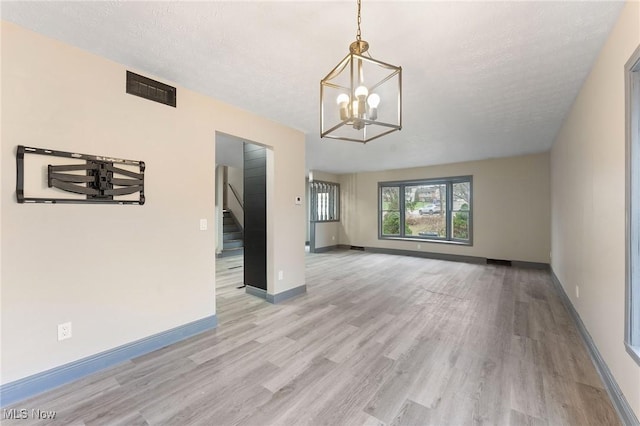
column 232, row 240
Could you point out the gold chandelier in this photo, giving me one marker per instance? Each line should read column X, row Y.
column 361, row 98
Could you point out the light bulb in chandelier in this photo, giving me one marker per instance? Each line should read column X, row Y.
column 343, row 103
column 360, row 93
column 373, row 101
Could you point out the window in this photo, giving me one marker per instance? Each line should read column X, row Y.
column 325, row 201
column 632, row 323
column 434, row 209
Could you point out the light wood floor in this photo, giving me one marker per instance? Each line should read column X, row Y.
column 377, row 340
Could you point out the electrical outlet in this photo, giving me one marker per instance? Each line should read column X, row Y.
column 64, row 331
column 280, row 275
column 203, row 224
column 419, row 246
column 333, row 238
column 577, row 292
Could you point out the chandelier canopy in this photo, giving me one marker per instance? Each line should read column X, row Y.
column 361, row 98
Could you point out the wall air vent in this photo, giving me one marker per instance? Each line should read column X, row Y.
column 500, row 262
column 144, row 87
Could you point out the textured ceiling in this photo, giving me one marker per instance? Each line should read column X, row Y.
column 229, row 150
column 481, row 79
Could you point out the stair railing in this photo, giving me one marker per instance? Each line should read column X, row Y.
column 235, row 194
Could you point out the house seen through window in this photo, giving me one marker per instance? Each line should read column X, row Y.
column 432, row 209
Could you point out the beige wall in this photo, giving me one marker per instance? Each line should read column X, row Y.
column 327, row 234
column 588, row 202
column 120, row 273
column 510, row 208
column 325, row 176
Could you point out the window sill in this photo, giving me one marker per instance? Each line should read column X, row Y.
column 634, row 351
column 426, row 240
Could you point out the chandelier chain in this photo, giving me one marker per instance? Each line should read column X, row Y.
column 358, row 34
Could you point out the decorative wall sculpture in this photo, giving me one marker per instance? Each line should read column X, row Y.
column 101, row 180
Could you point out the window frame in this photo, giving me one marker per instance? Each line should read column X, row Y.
column 632, row 207
column 449, row 182
column 333, row 191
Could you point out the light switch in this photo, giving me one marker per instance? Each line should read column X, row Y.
column 203, row 224
column 298, row 200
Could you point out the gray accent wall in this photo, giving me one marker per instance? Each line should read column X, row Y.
column 255, row 215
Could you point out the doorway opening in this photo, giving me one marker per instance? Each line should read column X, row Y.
column 241, row 219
